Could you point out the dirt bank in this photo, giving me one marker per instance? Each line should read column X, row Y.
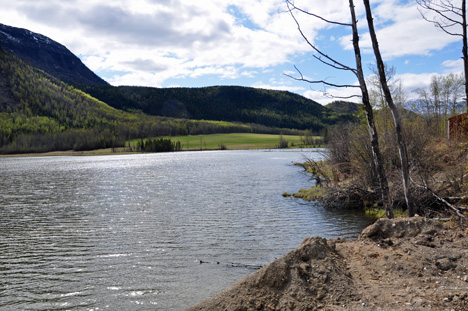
column 403, row 264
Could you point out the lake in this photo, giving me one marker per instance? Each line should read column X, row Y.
column 128, row 232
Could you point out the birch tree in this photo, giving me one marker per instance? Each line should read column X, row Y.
column 359, row 73
column 389, row 99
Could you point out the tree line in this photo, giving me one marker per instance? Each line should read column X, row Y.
column 156, row 145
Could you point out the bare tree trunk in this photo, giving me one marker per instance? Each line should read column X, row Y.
column 393, row 107
column 377, row 158
column 465, row 51
column 378, row 161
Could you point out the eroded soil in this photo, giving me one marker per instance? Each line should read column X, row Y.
column 402, row 264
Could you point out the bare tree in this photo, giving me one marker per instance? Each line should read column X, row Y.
column 436, row 91
column 425, row 105
column 396, row 114
column 441, row 99
column 358, row 72
column 450, row 17
column 455, row 84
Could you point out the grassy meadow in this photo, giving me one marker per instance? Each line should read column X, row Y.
column 235, row 141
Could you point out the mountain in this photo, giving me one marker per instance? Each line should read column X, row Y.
column 44, row 53
column 278, row 109
column 39, row 112
column 224, row 103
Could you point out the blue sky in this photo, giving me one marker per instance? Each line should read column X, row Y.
column 245, row 42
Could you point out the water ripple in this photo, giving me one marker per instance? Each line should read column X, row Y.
column 128, row 232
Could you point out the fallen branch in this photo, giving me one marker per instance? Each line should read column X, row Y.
column 456, row 210
column 458, row 199
column 445, row 202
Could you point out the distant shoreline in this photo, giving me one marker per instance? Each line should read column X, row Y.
column 233, row 141
column 118, row 151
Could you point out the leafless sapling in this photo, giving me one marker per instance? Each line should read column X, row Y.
column 396, row 114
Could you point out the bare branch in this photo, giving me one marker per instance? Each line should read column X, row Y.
column 443, row 10
column 444, row 29
column 445, row 202
column 442, row 24
column 443, row 6
column 449, row 16
column 302, row 78
column 333, row 65
column 336, row 63
column 342, row 97
column 291, row 4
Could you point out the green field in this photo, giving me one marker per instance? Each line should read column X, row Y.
column 239, row 141
column 235, row 141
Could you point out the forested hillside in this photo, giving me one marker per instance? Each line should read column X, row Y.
column 227, row 103
column 41, row 113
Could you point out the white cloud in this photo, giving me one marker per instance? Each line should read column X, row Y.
column 273, row 85
column 412, row 81
column 401, row 31
column 453, row 66
column 136, row 79
column 293, row 89
column 199, row 33
column 148, row 42
column 318, row 96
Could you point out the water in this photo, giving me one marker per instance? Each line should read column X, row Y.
column 128, row 232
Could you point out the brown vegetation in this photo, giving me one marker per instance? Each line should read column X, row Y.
column 364, row 164
column 437, row 167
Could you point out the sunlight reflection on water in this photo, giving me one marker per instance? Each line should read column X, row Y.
column 128, row 232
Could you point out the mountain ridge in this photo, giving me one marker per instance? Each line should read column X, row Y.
column 225, row 103
column 44, row 53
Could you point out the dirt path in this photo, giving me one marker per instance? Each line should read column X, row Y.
column 403, row 264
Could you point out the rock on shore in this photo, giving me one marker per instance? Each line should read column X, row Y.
column 402, row 264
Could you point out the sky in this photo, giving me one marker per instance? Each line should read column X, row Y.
column 254, row 43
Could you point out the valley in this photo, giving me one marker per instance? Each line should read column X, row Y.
column 50, row 101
